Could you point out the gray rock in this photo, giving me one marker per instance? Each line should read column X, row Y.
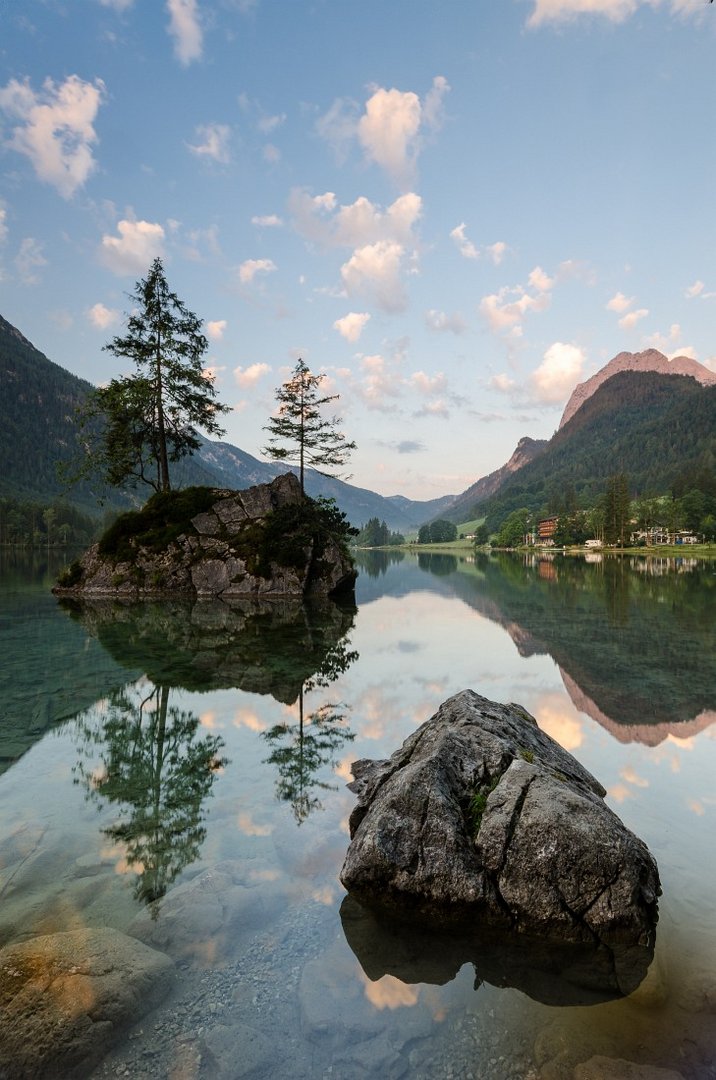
column 481, row 816
column 211, row 560
column 66, row 998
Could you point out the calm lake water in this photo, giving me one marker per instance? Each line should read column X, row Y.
column 179, row 772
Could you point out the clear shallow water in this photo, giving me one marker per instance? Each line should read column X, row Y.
column 156, row 781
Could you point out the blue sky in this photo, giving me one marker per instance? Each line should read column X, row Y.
column 454, row 210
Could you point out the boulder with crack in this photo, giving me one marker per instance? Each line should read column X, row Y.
column 481, row 818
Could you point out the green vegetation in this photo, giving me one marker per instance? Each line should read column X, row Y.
column 299, row 432
column 164, row 517
column 477, row 804
column 375, row 533
column 30, row 524
column 437, row 532
column 131, row 429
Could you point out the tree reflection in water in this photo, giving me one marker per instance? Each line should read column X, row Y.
column 154, row 767
column 300, row 750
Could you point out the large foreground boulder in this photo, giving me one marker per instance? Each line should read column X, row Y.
column 263, row 543
column 66, row 998
column 481, row 818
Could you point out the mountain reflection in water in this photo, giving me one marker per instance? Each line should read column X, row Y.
column 635, row 644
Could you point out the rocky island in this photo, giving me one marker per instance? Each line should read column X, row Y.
column 266, row 542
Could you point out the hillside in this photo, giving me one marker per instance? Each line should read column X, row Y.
column 649, row 360
column 37, row 431
column 653, row 427
column 461, row 508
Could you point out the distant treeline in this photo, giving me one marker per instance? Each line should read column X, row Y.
column 28, row 524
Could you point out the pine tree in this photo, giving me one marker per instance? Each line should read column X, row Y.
column 299, row 432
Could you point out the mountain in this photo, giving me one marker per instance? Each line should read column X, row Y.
column 654, row 427
column 37, row 430
column 526, row 451
column 649, row 360
column 237, row 469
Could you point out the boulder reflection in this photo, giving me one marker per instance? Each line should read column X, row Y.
column 553, row 972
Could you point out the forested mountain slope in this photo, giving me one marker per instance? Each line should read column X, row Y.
column 653, row 427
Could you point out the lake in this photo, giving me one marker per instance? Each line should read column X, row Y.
column 178, row 772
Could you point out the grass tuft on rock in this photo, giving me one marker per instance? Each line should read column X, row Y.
column 162, row 519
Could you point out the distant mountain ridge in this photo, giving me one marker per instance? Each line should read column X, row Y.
column 648, row 360
column 37, row 429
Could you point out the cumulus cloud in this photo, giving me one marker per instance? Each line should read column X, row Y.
column 213, row 142
column 101, row 316
column 320, row 219
column 540, row 281
column 466, row 247
column 440, row 322
column 185, row 29
column 505, row 310
column 351, row 326
column 429, row 384
column 267, row 124
column 215, row 329
column 560, row 371
column 374, row 271
column 267, row 221
column 669, row 343
column 134, row 249
column 616, row 11
column 629, row 321
column 619, row 303
column 29, row 260
column 251, row 267
column 389, row 129
column 503, row 383
column 249, row 376
column 497, row 251
column 56, row 128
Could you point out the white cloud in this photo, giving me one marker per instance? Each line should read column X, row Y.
column 389, row 129
column 248, row 377
column 351, row 326
column 118, row 5
column 668, row 344
column 251, row 267
column 503, row 383
column 466, row 247
column 185, row 29
column 270, row 123
column 540, row 281
column 101, row 317
column 56, row 130
column 505, row 310
column 632, row 318
column 29, row 260
column 267, row 221
column 440, row 322
column 215, row 329
column 374, row 271
column 429, row 384
column 695, row 290
column 271, row 153
column 615, row 11
column 619, row 303
column 214, row 142
column 497, row 251
column 558, row 374
column 138, row 243
column 3, row 225
column 321, row 220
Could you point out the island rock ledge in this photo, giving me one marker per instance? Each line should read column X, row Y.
column 481, row 818
column 210, row 558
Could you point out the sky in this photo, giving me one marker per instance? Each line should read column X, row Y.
column 455, row 211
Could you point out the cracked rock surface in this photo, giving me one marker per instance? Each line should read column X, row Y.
column 482, row 816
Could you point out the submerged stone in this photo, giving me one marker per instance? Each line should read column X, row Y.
column 481, row 819
column 66, row 998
